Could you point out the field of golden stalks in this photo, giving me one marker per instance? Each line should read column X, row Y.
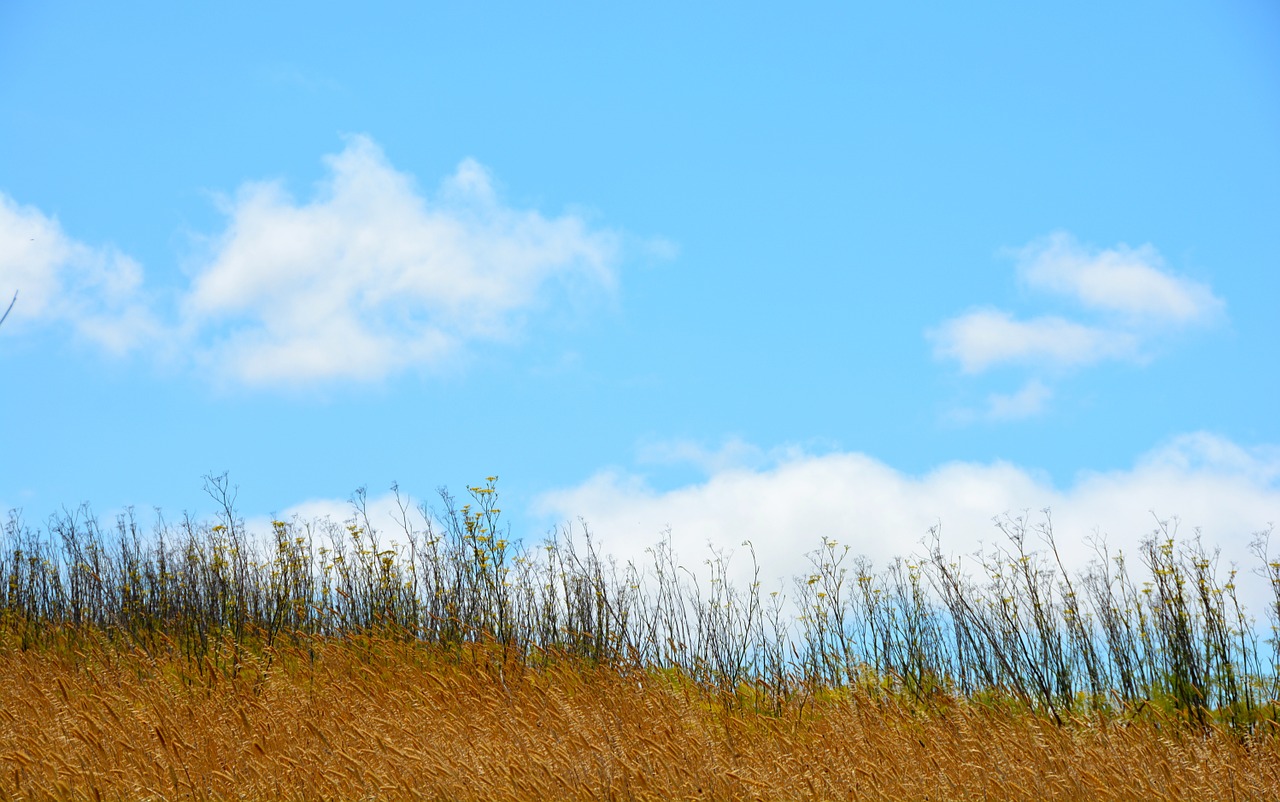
column 362, row 718
column 203, row 662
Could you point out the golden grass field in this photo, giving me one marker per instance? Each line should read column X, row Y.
column 367, row 719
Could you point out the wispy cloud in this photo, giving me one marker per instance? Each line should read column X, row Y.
column 1132, row 282
column 985, row 338
column 733, row 453
column 1028, row 401
column 1127, row 302
column 96, row 291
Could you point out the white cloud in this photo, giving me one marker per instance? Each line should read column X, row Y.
column 1128, row 300
column 787, row 506
column 1027, row 402
column 985, row 338
column 370, row 277
column 367, row 278
column 785, row 509
column 324, row 518
column 97, row 291
column 733, row 453
column 1128, row 281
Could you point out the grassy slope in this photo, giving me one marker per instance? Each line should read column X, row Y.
column 361, row 718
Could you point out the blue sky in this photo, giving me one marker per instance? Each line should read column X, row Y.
column 744, row 271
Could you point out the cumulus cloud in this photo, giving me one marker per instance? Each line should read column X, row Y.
column 1130, row 281
column 985, row 338
column 366, row 278
column 371, row 277
column 786, row 508
column 97, row 291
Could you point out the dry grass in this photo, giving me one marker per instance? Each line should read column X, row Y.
column 191, row 664
column 368, row 719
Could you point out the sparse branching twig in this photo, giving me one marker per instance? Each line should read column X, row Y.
column 1015, row 628
column 10, row 307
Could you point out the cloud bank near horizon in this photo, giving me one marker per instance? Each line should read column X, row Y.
column 786, row 501
column 789, row 504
